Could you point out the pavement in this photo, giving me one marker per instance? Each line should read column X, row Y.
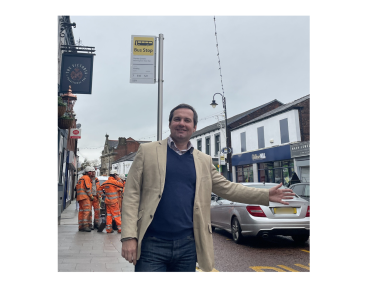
column 89, row 251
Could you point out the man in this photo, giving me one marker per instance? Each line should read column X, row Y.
column 111, row 188
column 85, row 198
column 96, row 201
column 166, row 206
column 120, row 193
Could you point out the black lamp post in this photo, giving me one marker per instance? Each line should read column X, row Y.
column 214, row 104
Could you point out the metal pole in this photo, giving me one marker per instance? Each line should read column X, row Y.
column 227, row 139
column 160, row 85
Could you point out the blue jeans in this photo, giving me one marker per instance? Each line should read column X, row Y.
column 167, row 255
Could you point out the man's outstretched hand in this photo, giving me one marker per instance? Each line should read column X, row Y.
column 277, row 195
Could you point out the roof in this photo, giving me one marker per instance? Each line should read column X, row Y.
column 112, row 143
column 129, row 157
column 276, row 111
column 230, row 120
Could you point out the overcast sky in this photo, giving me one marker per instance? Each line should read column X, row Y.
column 262, row 58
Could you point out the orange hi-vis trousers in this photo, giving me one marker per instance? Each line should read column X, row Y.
column 113, row 213
column 96, row 207
column 85, row 214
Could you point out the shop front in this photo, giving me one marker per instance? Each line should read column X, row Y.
column 300, row 152
column 273, row 165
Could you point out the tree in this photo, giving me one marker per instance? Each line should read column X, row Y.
column 85, row 164
column 95, row 162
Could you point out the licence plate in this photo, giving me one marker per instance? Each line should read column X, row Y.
column 284, row 210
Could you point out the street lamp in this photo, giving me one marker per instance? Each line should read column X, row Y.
column 214, row 104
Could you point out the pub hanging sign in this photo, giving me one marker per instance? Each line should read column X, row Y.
column 76, row 71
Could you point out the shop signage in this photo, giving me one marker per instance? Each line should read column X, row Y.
column 258, row 156
column 300, row 149
column 75, row 133
column 143, row 59
column 76, row 71
column 264, row 155
column 222, row 160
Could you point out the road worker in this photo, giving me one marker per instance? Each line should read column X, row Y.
column 85, row 198
column 120, row 193
column 111, row 187
column 96, row 201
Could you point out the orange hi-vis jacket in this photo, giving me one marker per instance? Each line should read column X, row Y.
column 83, row 188
column 110, row 188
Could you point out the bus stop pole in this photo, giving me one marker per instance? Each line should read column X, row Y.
column 160, row 85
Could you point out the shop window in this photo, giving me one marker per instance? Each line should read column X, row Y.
column 216, row 144
column 242, row 142
column 248, row 173
column 284, row 130
column 207, row 145
column 199, row 145
column 261, row 137
column 239, row 174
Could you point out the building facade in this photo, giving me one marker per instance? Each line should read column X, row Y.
column 123, row 164
column 212, row 139
column 262, row 147
column 116, row 149
column 67, row 148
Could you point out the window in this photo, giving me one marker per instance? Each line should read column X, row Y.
column 261, row 137
column 216, row 144
column 207, row 145
column 199, row 145
column 284, row 130
column 242, row 142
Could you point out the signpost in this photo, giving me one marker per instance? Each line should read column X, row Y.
column 143, row 59
column 143, row 67
column 226, row 150
column 75, row 133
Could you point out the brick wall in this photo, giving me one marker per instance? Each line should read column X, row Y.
column 304, row 119
column 125, row 147
column 71, row 142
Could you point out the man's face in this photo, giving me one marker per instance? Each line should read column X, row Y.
column 182, row 125
column 91, row 174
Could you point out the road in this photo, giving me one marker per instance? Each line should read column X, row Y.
column 277, row 254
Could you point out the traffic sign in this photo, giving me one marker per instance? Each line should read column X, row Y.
column 226, row 150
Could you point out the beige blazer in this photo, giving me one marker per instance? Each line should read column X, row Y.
column 145, row 184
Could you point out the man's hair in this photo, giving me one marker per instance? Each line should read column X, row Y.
column 183, row 105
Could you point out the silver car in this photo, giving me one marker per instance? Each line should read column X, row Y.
column 302, row 190
column 243, row 220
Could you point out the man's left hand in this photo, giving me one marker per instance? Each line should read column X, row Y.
column 276, row 194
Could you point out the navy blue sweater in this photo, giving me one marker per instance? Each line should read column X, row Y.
column 174, row 214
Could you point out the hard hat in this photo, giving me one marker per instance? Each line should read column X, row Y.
column 122, row 176
column 89, row 169
column 112, row 172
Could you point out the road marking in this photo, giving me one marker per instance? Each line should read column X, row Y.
column 287, row 268
column 302, row 266
column 260, row 268
column 305, row 251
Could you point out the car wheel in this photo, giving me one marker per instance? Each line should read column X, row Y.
column 300, row 238
column 236, row 231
